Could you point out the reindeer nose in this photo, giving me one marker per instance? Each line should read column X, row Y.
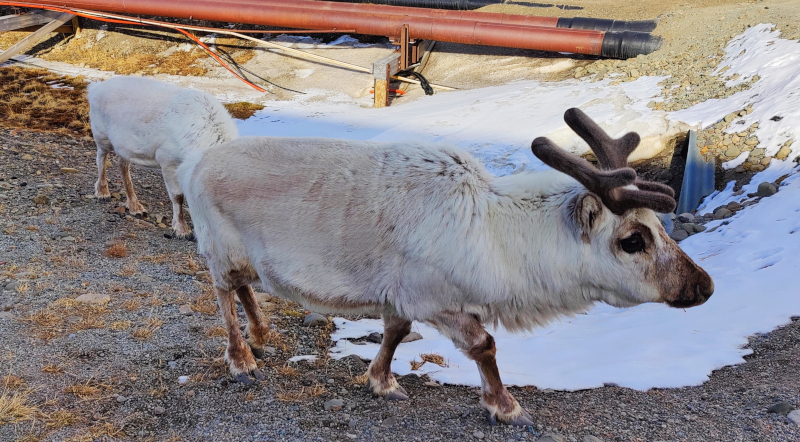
column 703, row 290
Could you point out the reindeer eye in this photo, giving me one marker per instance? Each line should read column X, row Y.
column 633, row 243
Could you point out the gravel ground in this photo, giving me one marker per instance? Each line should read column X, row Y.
column 112, row 371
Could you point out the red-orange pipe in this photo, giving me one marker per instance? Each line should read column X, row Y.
column 371, row 23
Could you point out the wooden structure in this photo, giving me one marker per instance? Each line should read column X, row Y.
column 382, row 71
column 31, row 21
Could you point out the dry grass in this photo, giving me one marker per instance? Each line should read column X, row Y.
column 361, row 379
column 206, row 303
column 127, row 270
column 52, row 321
column 53, row 369
column 434, row 358
column 88, row 322
column 60, row 419
column 11, row 382
column 291, row 396
column 120, row 325
column 16, row 407
column 117, row 250
column 143, row 333
column 286, row 371
column 317, row 390
column 131, row 304
column 416, row 365
column 242, row 110
column 28, row 101
column 91, row 389
column 216, row 332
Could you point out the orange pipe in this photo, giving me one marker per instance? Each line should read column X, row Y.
column 305, row 14
column 370, row 23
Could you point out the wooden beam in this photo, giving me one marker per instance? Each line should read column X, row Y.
column 31, row 40
column 382, row 71
column 33, row 18
column 63, row 29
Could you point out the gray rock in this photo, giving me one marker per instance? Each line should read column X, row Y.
column 411, row 337
column 315, row 320
column 158, row 411
column 766, row 189
column 782, row 408
column 144, row 279
column 122, row 399
column 433, row 384
column 732, row 152
column 334, row 405
column 389, row 422
column 733, row 206
column 686, row 218
column 478, row 434
column 692, row 228
column 722, row 213
column 794, row 417
column 185, row 309
column 356, row 360
column 375, row 337
column 679, row 235
column 11, row 286
column 591, row 439
column 552, row 437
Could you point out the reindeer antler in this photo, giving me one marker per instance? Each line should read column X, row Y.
column 610, row 182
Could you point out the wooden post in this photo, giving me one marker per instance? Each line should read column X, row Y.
column 382, row 71
column 76, row 26
column 31, row 40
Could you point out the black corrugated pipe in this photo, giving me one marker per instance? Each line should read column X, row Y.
column 594, row 24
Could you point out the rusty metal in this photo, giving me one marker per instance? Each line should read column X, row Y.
column 420, row 28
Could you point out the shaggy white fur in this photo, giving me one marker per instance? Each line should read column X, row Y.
column 154, row 124
column 419, row 229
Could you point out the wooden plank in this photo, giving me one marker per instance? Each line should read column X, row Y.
column 31, row 40
column 382, row 71
column 63, row 29
column 34, row 18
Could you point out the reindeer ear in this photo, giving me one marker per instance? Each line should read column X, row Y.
column 588, row 214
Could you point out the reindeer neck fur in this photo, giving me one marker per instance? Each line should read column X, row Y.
column 534, row 251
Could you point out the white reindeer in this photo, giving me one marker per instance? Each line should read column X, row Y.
column 153, row 124
column 424, row 233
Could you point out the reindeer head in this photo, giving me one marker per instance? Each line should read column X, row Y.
column 632, row 259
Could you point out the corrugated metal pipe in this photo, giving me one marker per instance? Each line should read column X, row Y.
column 308, row 14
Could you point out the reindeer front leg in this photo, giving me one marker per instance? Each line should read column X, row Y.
column 469, row 336
column 381, row 380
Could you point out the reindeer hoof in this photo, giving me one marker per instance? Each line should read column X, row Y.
column 243, row 378
column 524, row 419
column 258, row 375
column 246, row 378
column 397, row 395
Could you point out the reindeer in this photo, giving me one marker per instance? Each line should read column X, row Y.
column 153, row 124
column 419, row 232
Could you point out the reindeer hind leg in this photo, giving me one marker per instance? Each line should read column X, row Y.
column 381, row 380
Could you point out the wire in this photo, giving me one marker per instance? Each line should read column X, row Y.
column 423, row 82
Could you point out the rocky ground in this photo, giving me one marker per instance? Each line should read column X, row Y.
column 110, row 329
column 110, row 332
